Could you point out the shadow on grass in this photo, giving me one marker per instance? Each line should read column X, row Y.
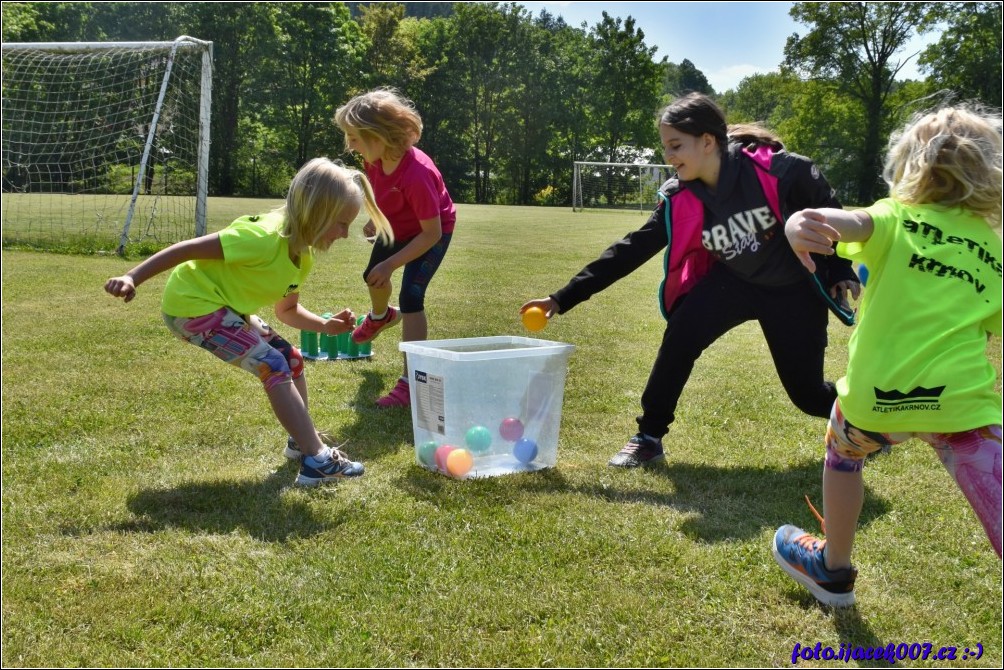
column 720, row 504
column 857, row 639
column 375, row 432
column 254, row 506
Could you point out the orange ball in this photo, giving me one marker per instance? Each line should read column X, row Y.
column 534, row 319
column 459, row 462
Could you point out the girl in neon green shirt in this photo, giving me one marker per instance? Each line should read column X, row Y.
column 917, row 363
column 219, row 280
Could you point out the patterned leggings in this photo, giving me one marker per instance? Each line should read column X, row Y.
column 972, row 458
column 249, row 343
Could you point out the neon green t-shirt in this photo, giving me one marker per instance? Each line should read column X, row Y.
column 255, row 271
column 917, row 359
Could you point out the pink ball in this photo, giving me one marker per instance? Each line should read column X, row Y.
column 511, row 429
column 442, row 453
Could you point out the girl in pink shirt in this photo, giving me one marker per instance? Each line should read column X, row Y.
column 383, row 127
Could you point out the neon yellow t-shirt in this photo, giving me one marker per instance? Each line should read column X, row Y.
column 917, row 359
column 255, row 271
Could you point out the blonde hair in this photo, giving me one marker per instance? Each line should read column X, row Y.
column 317, row 197
column 383, row 114
column 950, row 157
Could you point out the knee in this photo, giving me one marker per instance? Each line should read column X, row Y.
column 815, row 401
column 412, row 299
column 295, row 362
column 274, row 370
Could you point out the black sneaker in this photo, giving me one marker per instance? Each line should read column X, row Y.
column 639, row 450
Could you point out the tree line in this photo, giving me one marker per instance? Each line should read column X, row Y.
column 510, row 99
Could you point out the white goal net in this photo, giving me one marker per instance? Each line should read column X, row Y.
column 105, row 145
column 617, row 185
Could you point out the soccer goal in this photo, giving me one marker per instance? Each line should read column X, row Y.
column 617, row 185
column 105, row 145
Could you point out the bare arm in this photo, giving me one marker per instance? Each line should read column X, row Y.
column 205, row 247
column 293, row 314
column 815, row 230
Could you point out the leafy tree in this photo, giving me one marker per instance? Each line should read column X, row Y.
column 23, row 22
column 52, row 22
column 820, row 121
column 444, row 121
column 684, row 78
column 535, row 105
column 242, row 35
column 762, row 98
column 569, row 132
column 489, row 38
column 392, row 58
column 855, row 46
column 625, row 86
column 967, row 58
column 316, row 60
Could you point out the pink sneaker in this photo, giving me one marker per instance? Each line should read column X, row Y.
column 370, row 328
column 399, row 396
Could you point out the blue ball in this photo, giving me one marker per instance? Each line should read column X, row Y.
column 525, row 450
column 863, row 274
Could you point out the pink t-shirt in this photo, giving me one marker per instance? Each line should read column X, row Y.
column 413, row 192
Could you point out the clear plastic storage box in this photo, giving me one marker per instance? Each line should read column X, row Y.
column 486, row 406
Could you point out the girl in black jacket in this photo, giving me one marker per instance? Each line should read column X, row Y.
column 721, row 222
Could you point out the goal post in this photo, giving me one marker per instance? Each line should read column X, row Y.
column 105, row 144
column 597, row 185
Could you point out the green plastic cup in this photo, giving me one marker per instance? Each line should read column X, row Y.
column 309, row 343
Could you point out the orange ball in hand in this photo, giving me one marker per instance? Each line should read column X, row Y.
column 534, row 319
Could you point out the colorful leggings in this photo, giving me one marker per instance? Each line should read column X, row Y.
column 247, row 342
column 973, row 458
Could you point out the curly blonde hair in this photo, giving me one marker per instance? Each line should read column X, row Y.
column 950, row 157
column 383, row 114
column 317, row 196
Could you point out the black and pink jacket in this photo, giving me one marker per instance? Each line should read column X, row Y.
column 740, row 225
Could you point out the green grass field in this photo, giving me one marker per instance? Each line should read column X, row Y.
column 149, row 518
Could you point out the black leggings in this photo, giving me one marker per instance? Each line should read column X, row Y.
column 793, row 319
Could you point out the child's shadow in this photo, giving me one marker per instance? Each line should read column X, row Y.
column 721, row 504
column 255, row 506
column 375, row 431
column 731, row 503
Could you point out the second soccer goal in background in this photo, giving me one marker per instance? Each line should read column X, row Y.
column 617, row 185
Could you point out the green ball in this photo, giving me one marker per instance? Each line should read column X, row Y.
column 478, row 439
column 427, row 453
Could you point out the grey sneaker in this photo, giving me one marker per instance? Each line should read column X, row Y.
column 334, row 469
column 638, row 451
column 293, row 453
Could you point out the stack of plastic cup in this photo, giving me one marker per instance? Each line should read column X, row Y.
column 321, row 346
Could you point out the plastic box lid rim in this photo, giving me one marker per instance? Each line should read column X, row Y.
column 516, row 347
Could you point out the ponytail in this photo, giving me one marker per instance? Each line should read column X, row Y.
column 751, row 135
column 384, row 232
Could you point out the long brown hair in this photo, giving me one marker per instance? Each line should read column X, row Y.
column 696, row 114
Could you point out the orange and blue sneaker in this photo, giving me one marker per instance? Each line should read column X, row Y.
column 639, row 450
column 370, row 327
column 801, row 556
